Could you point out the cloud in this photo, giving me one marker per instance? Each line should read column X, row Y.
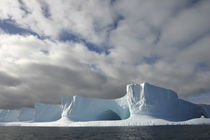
column 91, row 48
column 39, row 75
column 7, row 80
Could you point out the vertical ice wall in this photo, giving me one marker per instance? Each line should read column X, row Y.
column 47, row 112
column 205, row 110
column 9, row 115
column 26, row 114
column 147, row 99
column 3, row 113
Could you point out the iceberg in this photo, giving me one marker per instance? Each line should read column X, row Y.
column 143, row 104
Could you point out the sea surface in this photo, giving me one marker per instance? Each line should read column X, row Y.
column 190, row 132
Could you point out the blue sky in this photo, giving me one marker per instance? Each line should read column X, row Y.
column 51, row 48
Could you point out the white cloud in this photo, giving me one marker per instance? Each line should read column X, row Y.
column 64, row 70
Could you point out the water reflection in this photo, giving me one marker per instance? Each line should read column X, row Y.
column 148, row 132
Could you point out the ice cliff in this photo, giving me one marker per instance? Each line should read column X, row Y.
column 147, row 99
column 26, row 114
column 9, row 115
column 47, row 112
column 139, row 100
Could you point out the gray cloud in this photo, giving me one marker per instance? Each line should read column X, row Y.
column 8, row 80
column 164, row 42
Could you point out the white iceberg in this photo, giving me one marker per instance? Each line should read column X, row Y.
column 143, row 104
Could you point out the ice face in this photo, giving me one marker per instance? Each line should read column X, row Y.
column 3, row 113
column 205, row 110
column 152, row 100
column 47, row 112
column 27, row 114
column 9, row 115
column 147, row 99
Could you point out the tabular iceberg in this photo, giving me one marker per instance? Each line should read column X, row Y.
column 143, row 104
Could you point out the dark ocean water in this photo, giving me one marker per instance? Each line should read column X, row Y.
column 199, row 132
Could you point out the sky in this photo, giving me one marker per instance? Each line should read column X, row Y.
column 93, row 48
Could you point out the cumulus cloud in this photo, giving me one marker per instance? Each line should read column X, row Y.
column 92, row 48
